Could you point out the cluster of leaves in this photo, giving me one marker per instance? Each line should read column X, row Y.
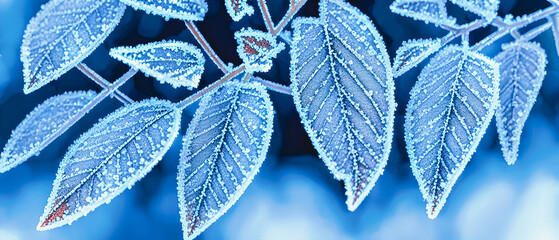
column 342, row 86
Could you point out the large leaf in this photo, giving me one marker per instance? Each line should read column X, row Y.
column 344, row 92
column 413, row 52
column 33, row 133
column 110, row 157
column 223, row 149
column 430, row 11
column 522, row 73
column 63, row 33
column 485, row 8
column 449, row 110
column 186, row 10
column 177, row 63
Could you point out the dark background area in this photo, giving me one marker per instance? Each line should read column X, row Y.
column 294, row 196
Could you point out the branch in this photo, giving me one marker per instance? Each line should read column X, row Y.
column 293, row 9
column 103, row 83
column 274, row 86
column 96, row 100
column 206, row 46
column 266, row 15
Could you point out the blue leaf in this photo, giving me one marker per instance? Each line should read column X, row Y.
column 186, row 10
column 33, row 133
column 63, row 33
column 413, row 52
column 257, row 49
column 110, row 157
column 237, row 9
column 449, row 110
column 344, row 92
column 484, row 8
column 177, row 63
column 429, row 11
column 522, row 73
column 223, row 149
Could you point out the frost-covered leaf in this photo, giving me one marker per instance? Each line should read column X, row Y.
column 177, row 63
column 449, row 110
column 257, row 49
column 110, row 157
column 344, row 92
column 33, row 133
column 62, row 34
column 186, row 10
column 237, row 9
column 430, row 11
column 522, row 72
column 484, row 8
column 223, row 149
column 413, row 52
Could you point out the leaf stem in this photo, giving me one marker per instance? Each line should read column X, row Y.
column 96, row 100
column 266, row 15
column 293, row 9
column 103, row 83
column 194, row 97
column 274, row 86
column 206, row 46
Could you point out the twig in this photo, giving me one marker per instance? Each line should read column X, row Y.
column 103, row 83
column 96, row 100
column 206, row 46
column 266, row 15
column 292, row 10
column 274, row 86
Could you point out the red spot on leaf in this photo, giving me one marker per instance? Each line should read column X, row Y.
column 236, row 5
column 248, row 41
column 57, row 214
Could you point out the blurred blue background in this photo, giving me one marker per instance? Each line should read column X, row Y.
column 294, row 196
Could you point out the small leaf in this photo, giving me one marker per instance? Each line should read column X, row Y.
column 33, row 133
column 62, row 34
column 429, row 11
column 522, row 73
column 413, row 52
column 257, row 49
column 110, row 157
column 449, row 110
column 344, row 92
column 237, row 9
column 177, row 63
column 186, row 10
column 223, row 149
column 484, row 8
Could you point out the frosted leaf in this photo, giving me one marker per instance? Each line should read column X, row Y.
column 484, row 8
column 257, row 49
column 223, row 150
column 344, row 92
column 110, row 157
column 413, row 52
column 62, row 34
column 429, row 11
column 522, row 73
column 449, row 110
column 237, row 9
column 33, row 133
column 186, row 10
column 177, row 63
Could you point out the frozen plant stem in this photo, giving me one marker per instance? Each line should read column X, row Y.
column 102, row 95
column 103, row 83
column 206, row 46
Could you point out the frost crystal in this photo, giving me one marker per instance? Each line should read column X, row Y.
column 449, row 110
column 522, row 73
column 223, row 150
column 237, row 9
column 33, row 133
column 344, row 92
column 186, row 10
column 177, row 63
column 485, row 8
column 257, row 49
column 430, row 11
column 110, row 157
column 412, row 53
column 62, row 34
